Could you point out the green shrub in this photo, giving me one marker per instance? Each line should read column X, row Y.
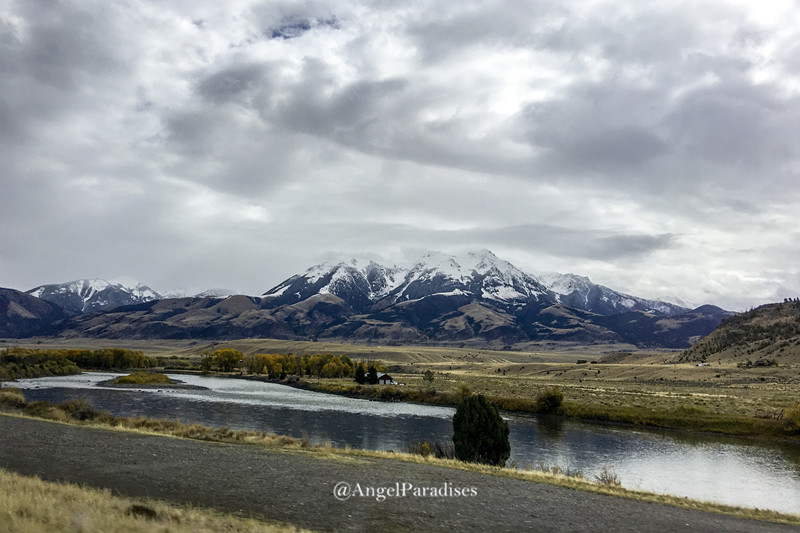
column 421, row 448
column 549, row 401
column 480, row 435
column 437, row 449
column 464, row 390
column 79, row 409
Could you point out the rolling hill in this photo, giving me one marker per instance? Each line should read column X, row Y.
column 763, row 336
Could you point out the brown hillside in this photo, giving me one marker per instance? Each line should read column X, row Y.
column 767, row 335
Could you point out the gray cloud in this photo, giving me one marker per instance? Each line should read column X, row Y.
column 234, row 83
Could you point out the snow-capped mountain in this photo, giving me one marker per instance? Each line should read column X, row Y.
column 477, row 275
column 90, row 295
column 579, row 292
column 358, row 283
column 195, row 292
column 472, row 299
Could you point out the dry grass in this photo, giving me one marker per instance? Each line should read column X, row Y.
column 142, row 378
column 30, row 505
column 399, row 354
column 597, row 392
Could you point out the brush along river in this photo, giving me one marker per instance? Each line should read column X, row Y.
column 727, row 470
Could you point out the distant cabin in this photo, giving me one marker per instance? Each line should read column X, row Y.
column 385, row 379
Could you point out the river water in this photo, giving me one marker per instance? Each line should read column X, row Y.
column 726, row 470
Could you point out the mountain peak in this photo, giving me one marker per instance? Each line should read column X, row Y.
column 478, row 275
column 89, row 295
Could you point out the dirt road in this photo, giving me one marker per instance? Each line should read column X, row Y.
column 299, row 489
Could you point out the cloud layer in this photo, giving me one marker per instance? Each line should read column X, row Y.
column 650, row 146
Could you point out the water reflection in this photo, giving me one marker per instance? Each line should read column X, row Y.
column 722, row 469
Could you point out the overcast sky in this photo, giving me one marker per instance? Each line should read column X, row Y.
column 652, row 146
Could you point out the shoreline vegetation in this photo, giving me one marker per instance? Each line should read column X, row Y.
column 80, row 412
column 748, row 411
column 147, row 380
column 685, row 418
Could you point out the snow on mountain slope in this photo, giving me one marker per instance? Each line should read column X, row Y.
column 479, row 275
column 580, row 292
column 357, row 282
column 89, row 295
column 195, row 292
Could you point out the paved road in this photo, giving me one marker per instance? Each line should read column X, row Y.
column 299, row 489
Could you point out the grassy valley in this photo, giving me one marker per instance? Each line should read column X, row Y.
column 664, row 389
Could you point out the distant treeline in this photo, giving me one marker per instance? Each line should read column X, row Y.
column 28, row 363
column 276, row 366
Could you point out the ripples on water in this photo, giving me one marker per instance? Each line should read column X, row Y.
column 721, row 469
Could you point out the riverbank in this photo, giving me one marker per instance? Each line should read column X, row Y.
column 656, row 406
column 280, row 479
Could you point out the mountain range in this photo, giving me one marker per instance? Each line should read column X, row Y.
column 90, row 295
column 476, row 298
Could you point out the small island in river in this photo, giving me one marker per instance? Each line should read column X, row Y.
column 150, row 380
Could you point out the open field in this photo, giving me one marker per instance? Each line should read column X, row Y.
column 395, row 354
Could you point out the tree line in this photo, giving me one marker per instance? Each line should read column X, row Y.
column 276, row 366
column 29, row 363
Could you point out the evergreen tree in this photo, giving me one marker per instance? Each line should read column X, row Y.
column 372, row 375
column 480, row 435
column 361, row 376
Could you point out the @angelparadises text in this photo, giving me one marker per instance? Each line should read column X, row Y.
column 344, row 491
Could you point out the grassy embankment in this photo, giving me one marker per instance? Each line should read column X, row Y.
column 28, row 505
column 79, row 412
column 758, row 409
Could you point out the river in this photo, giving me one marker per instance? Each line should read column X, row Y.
column 727, row 470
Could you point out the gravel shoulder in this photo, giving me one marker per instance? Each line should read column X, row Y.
column 298, row 488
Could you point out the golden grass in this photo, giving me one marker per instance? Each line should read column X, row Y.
column 30, row 505
column 142, row 378
column 750, row 410
column 400, row 354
